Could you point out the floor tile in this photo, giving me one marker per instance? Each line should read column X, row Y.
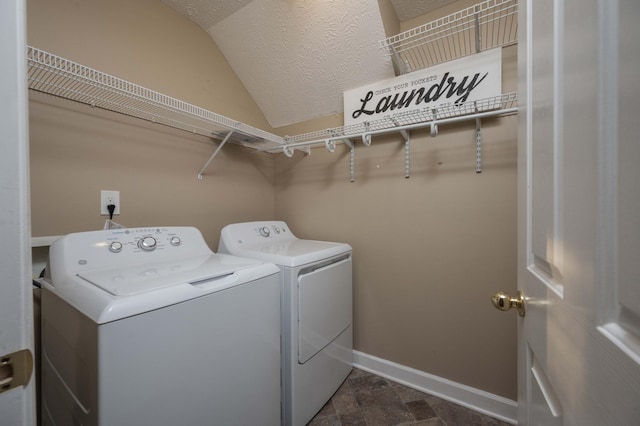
column 365, row 399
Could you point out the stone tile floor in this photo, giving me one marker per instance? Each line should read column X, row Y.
column 365, row 399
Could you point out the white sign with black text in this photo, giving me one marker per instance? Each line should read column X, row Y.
column 466, row 79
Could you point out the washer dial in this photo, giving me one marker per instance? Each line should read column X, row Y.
column 147, row 243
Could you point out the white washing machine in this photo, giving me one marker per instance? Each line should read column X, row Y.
column 147, row 326
column 317, row 310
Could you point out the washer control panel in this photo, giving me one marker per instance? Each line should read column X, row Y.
column 128, row 246
column 143, row 239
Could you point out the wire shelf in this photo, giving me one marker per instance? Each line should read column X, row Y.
column 486, row 25
column 63, row 78
column 498, row 105
column 53, row 75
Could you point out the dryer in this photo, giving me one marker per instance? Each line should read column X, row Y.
column 317, row 333
column 147, row 326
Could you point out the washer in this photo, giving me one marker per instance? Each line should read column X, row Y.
column 147, row 326
column 317, row 332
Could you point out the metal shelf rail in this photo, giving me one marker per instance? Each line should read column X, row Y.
column 486, row 25
column 402, row 123
column 63, row 78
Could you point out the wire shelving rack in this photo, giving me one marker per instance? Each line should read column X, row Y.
column 484, row 26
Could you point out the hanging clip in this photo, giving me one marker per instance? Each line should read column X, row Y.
column 366, row 137
column 330, row 144
column 434, row 129
column 405, row 135
column 288, row 151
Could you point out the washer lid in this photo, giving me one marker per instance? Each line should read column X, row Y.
column 293, row 253
column 138, row 279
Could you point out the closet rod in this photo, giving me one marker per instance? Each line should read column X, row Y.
column 435, row 123
column 367, row 135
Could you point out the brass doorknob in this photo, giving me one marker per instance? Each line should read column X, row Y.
column 504, row 302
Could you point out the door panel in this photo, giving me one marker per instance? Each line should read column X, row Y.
column 578, row 346
column 546, row 152
column 545, row 406
column 621, row 316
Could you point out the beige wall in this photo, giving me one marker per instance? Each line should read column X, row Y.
column 77, row 151
column 145, row 42
column 428, row 251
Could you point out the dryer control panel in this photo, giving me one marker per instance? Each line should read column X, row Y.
column 251, row 233
column 272, row 230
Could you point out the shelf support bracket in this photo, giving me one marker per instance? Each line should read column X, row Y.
column 352, row 163
column 224, row 141
column 478, row 146
column 399, row 66
column 407, row 153
column 477, row 30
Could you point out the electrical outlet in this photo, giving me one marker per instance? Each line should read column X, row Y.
column 109, row 197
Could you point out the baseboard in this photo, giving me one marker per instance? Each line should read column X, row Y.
column 484, row 402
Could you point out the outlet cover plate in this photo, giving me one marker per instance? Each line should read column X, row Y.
column 109, row 197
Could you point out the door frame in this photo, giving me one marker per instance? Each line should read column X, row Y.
column 17, row 405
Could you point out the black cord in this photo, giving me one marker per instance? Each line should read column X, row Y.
column 111, row 208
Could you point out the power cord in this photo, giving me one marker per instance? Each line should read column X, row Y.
column 109, row 223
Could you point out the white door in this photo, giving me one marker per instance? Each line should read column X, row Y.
column 579, row 212
column 17, row 405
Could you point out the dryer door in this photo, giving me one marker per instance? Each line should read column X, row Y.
column 324, row 307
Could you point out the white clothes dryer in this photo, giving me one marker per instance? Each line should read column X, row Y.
column 317, row 333
column 147, row 326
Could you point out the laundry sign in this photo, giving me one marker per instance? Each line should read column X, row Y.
column 466, row 79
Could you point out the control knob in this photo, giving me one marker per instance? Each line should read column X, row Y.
column 175, row 241
column 264, row 231
column 147, row 243
column 115, row 247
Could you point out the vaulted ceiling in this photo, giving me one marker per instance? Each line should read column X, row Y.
column 297, row 57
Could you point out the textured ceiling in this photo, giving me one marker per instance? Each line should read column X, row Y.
column 297, row 57
column 409, row 9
